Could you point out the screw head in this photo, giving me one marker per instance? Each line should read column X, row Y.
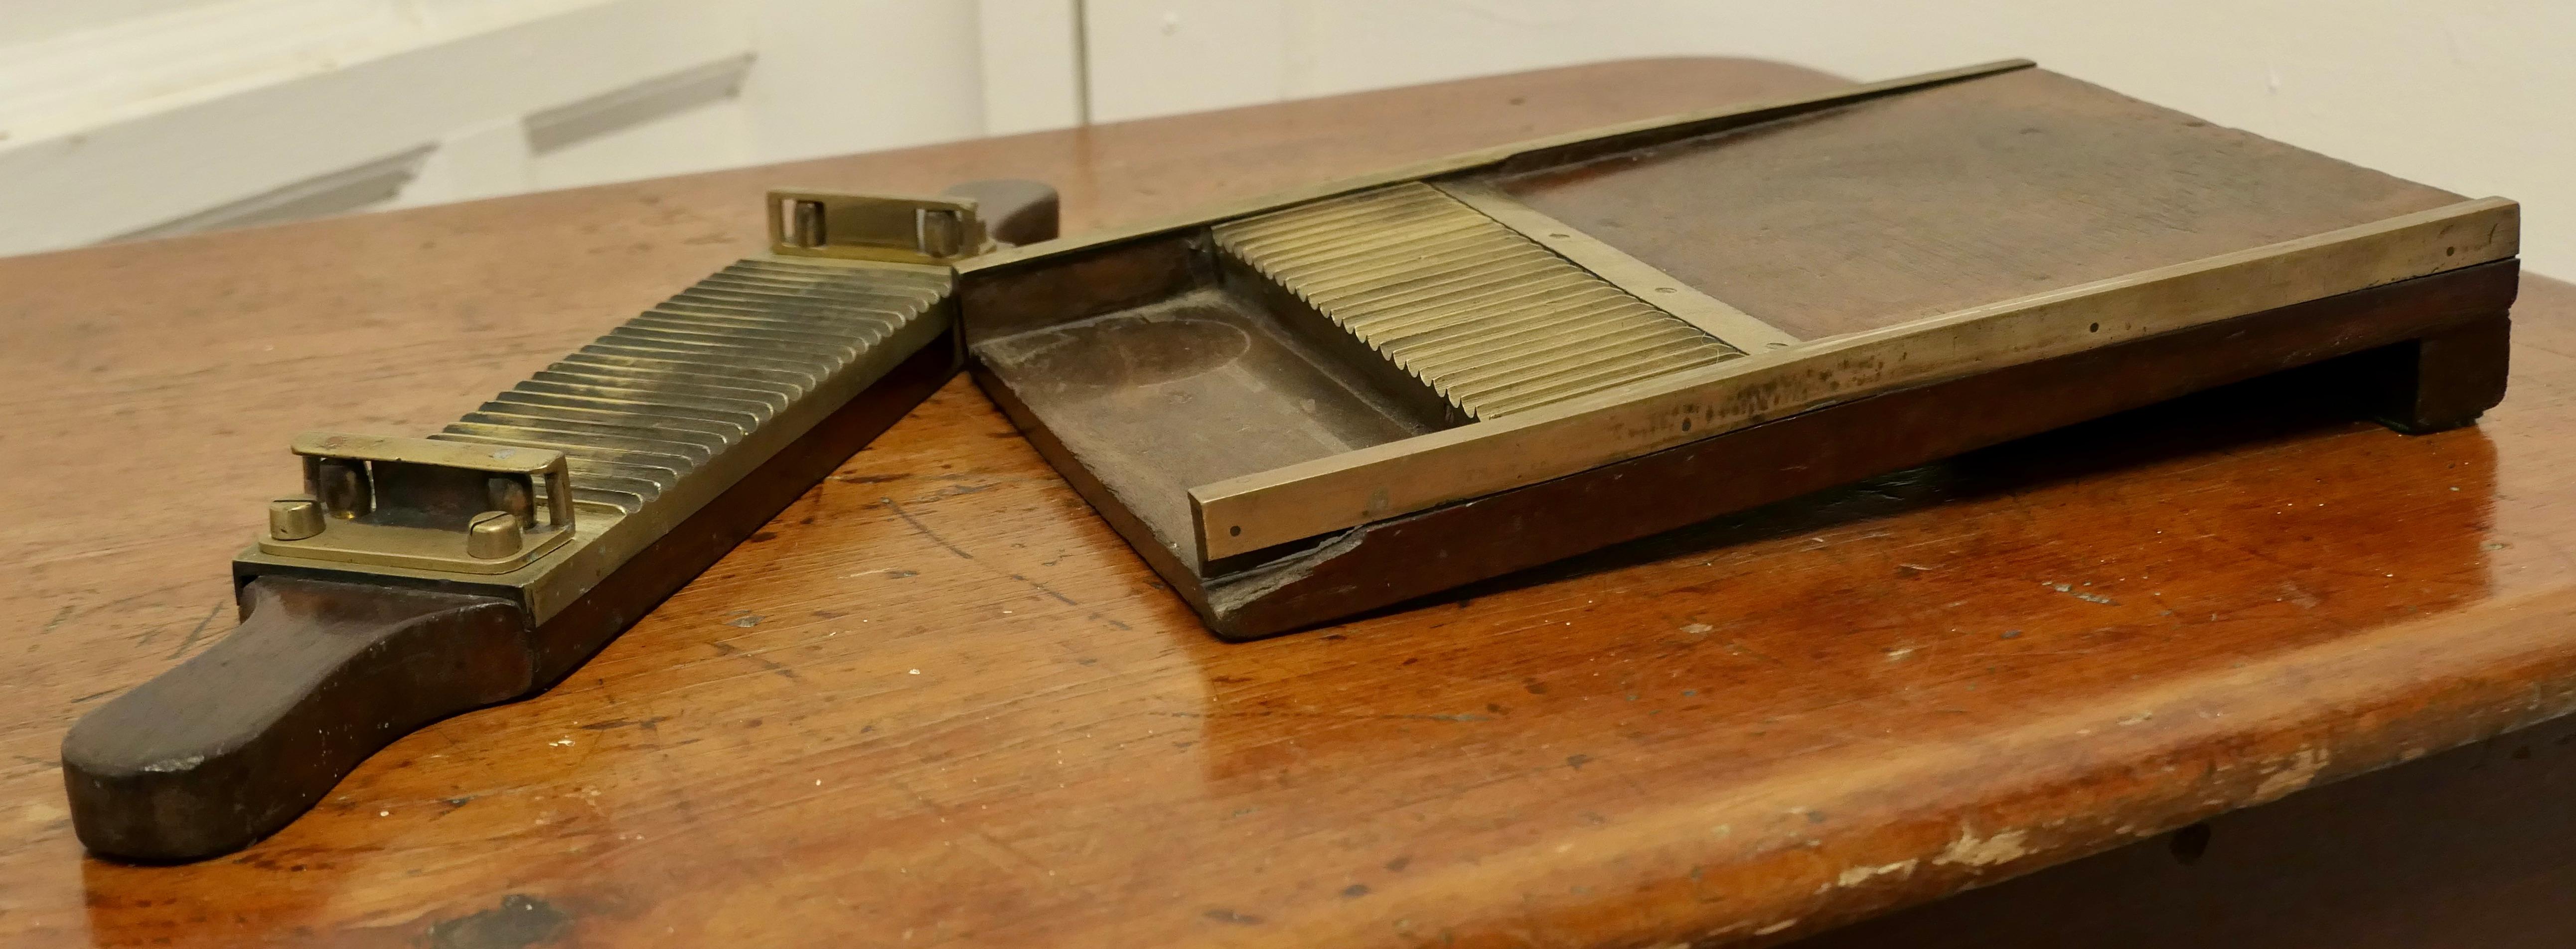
column 294, row 518
column 492, row 535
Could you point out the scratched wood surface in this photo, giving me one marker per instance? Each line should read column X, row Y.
column 938, row 702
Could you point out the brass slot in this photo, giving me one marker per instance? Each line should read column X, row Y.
column 885, row 228
column 423, row 504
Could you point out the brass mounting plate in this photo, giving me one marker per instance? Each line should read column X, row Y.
column 888, row 228
column 419, row 548
column 415, row 501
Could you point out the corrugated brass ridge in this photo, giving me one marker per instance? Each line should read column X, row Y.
column 657, row 419
column 660, row 397
column 1487, row 318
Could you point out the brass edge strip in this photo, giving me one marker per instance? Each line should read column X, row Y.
column 1683, row 124
column 1244, row 514
column 1658, row 289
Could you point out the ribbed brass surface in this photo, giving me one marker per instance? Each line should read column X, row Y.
column 656, row 399
column 1487, row 318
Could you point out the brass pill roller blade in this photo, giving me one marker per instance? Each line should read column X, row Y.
column 415, row 578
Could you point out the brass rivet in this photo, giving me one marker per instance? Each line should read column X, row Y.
column 492, row 535
column 294, row 518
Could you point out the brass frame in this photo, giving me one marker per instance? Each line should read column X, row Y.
column 1241, row 515
column 350, row 539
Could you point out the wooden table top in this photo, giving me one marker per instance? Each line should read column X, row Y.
column 939, row 702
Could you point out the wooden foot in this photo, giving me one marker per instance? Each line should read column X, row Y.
column 2438, row 382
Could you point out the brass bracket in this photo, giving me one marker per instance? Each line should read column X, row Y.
column 903, row 230
column 422, row 503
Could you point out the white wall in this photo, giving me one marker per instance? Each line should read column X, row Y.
column 2477, row 96
column 155, row 116
column 137, row 118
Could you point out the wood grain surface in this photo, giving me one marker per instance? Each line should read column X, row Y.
column 2014, row 184
column 938, row 702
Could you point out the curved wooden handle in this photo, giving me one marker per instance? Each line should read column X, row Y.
column 234, row 743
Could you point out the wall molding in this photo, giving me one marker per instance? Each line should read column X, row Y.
column 160, row 126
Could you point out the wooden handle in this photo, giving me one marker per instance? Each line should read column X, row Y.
column 231, row 745
column 1015, row 210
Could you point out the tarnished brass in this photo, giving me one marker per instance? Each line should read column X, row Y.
column 342, row 487
column 1487, row 318
column 643, row 426
column 493, row 535
column 419, row 503
column 294, row 518
column 904, row 230
column 516, row 470
column 640, row 428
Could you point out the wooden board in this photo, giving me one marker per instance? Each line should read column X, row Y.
column 1701, row 736
column 1957, row 196
column 1404, row 558
column 1950, row 228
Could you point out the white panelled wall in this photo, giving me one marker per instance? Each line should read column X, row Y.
column 2476, row 96
column 137, row 117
